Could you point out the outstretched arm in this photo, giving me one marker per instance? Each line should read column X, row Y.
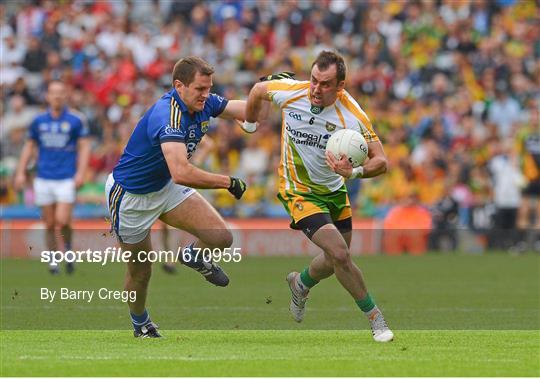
column 235, row 109
column 255, row 108
column 258, row 93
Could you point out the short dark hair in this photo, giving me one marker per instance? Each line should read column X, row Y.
column 327, row 58
column 186, row 68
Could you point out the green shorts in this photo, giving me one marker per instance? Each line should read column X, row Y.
column 301, row 205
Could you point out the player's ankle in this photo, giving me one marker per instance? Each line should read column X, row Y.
column 139, row 320
column 367, row 305
column 306, row 280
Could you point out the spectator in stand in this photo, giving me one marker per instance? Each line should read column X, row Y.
column 429, row 72
column 14, row 125
column 20, row 88
column 507, row 182
column 407, row 227
column 445, row 221
column 529, row 211
column 13, row 52
column 35, row 59
column 504, row 112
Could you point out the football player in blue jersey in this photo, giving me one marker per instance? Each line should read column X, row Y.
column 60, row 136
column 155, row 179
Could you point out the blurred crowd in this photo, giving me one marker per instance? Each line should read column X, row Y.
column 451, row 86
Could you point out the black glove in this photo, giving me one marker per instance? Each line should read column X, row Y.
column 278, row 76
column 237, row 187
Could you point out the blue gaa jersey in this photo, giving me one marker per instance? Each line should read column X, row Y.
column 57, row 139
column 142, row 167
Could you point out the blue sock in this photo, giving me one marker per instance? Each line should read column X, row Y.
column 139, row 320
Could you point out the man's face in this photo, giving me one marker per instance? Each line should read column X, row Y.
column 195, row 95
column 56, row 95
column 324, row 86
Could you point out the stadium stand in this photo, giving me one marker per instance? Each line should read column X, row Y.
column 450, row 86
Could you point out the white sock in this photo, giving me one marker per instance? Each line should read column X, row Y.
column 372, row 313
column 299, row 285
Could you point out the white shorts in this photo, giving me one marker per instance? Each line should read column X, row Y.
column 51, row 191
column 132, row 215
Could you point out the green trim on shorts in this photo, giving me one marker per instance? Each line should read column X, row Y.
column 332, row 203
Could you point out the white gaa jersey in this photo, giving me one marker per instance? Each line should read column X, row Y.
column 305, row 132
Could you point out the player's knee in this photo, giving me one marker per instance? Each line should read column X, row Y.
column 225, row 239
column 341, row 256
column 220, row 239
column 327, row 261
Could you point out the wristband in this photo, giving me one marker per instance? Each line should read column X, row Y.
column 357, row 172
column 249, row 127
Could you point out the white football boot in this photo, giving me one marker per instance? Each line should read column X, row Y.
column 379, row 329
column 298, row 297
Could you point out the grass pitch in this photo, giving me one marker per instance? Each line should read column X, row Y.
column 270, row 353
column 453, row 315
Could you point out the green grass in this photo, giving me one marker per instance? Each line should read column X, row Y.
column 270, row 353
column 453, row 315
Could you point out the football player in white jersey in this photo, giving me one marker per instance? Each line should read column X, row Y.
column 312, row 185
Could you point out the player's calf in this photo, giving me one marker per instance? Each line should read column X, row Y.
column 139, row 276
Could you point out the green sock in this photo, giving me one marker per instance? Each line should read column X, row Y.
column 306, row 279
column 366, row 304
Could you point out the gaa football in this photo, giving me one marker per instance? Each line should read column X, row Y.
column 350, row 143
